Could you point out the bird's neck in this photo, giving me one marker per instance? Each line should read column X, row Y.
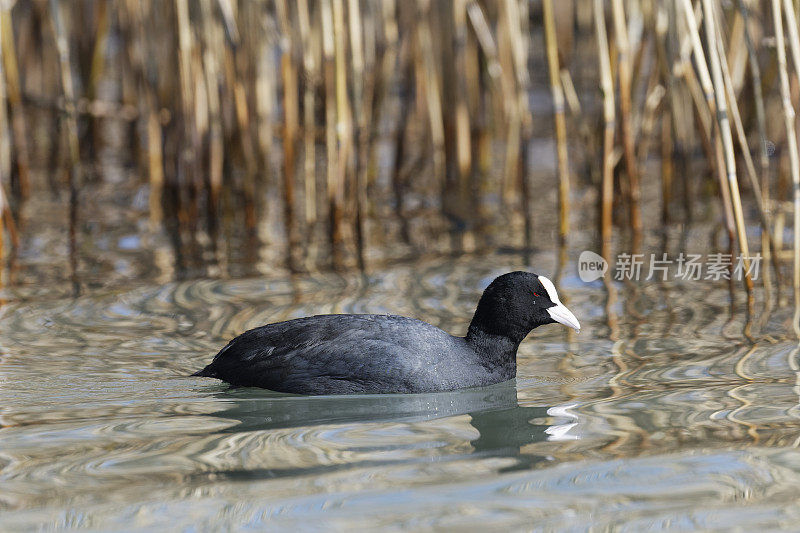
column 495, row 350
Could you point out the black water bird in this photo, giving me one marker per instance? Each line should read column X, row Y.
column 382, row 354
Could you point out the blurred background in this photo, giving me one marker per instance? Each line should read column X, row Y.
column 216, row 138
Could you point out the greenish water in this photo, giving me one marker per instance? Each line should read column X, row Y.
column 670, row 420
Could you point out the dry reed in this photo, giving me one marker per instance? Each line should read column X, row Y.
column 390, row 117
column 794, row 157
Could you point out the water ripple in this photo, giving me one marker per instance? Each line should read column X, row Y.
column 670, row 423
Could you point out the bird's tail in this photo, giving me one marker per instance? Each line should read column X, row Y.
column 207, row 372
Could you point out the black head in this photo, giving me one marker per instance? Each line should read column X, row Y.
column 517, row 302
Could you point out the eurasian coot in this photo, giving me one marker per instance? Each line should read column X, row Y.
column 381, row 354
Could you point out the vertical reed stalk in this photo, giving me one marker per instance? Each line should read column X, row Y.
column 767, row 244
column 70, row 119
column 266, row 89
column 344, row 125
column 432, row 89
column 215, row 141
column 234, row 72
column 764, row 216
column 291, row 128
column 5, row 140
column 794, row 45
column 98, row 53
column 722, row 168
column 361, row 112
column 462, row 118
column 328, row 48
column 560, row 122
column 309, row 125
column 699, row 55
column 607, row 87
column 625, row 72
column 681, row 113
column 667, row 168
column 519, row 56
column 148, row 108
column 96, row 69
column 727, row 141
column 794, row 34
column 187, row 156
column 508, row 107
column 403, row 119
column 14, row 95
column 4, row 147
column 794, row 158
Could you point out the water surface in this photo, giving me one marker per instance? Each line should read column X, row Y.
column 679, row 422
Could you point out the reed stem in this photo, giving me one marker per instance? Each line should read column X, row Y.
column 607, row 88
column 624, row 68
column 727, row 142
column 73, row 153
column 560, row 122
column 794, row 157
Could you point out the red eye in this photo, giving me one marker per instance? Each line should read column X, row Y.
column 536, row 294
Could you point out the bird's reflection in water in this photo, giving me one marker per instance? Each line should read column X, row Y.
column 504, row 427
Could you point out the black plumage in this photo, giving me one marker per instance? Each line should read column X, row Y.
column 363, row 354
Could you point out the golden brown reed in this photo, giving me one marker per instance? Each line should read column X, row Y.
column 210, row 86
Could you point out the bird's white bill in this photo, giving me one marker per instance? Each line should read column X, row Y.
column 562, row 315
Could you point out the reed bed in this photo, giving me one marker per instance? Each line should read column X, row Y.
column 357, row 117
